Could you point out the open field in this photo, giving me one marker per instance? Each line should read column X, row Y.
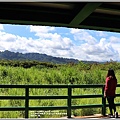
column 60, row 74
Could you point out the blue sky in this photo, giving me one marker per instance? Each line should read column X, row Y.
column 63, row 42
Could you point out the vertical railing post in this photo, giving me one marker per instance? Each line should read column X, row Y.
column 26, row 102
column 69, row 102
column 103, row 102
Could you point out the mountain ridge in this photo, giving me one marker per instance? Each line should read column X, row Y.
column 8, row 55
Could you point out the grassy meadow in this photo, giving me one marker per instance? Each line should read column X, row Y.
column 80, row 73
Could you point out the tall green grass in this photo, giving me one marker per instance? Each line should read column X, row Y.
column 62, row 74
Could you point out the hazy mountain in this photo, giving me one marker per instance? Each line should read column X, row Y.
column 8, row 55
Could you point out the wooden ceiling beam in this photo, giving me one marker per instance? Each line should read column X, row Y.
column 84, row 13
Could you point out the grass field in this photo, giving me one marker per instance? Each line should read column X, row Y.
column 80, row 73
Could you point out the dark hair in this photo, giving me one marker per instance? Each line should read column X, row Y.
column 111, row 73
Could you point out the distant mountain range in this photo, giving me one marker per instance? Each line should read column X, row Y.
column 8, row 55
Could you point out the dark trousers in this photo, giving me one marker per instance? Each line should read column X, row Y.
column 111, row 104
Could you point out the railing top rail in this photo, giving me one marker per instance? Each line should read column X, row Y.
column 55, row 86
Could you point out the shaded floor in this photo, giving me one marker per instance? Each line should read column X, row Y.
column 96, row 116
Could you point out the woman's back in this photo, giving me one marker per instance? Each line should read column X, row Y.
column 110, row 86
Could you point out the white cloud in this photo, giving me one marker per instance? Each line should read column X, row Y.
column 102, row 42
column 102, row 51
column 7, row 37
column 55, row 43
column 101, row 33
column 114, row 39
column 83, row 35
column 93, row 50
column 42, row 31
column 50, row 42
column 75, row 31
column 1, row 27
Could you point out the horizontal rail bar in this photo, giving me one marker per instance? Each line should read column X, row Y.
column 86, row 96
column 53, row 86
column 117, row 95
column 117, row 104
column 12, row 86
column 48, row 97
column 48, row 108
column 87, row 106
column 12, row 97
column 34, row 86
column 54, row 107
column 48, row 86
column 11, row 108
column 86, row 86
column 53, row 97
column 34, row 97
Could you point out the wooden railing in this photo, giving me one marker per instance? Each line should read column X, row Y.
column 68, row 97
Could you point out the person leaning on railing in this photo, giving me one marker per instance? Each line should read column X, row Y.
column 109, row 91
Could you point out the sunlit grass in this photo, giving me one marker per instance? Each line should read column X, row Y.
column 66, row 74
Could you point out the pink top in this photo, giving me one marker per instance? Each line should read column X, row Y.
column 110, row 86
